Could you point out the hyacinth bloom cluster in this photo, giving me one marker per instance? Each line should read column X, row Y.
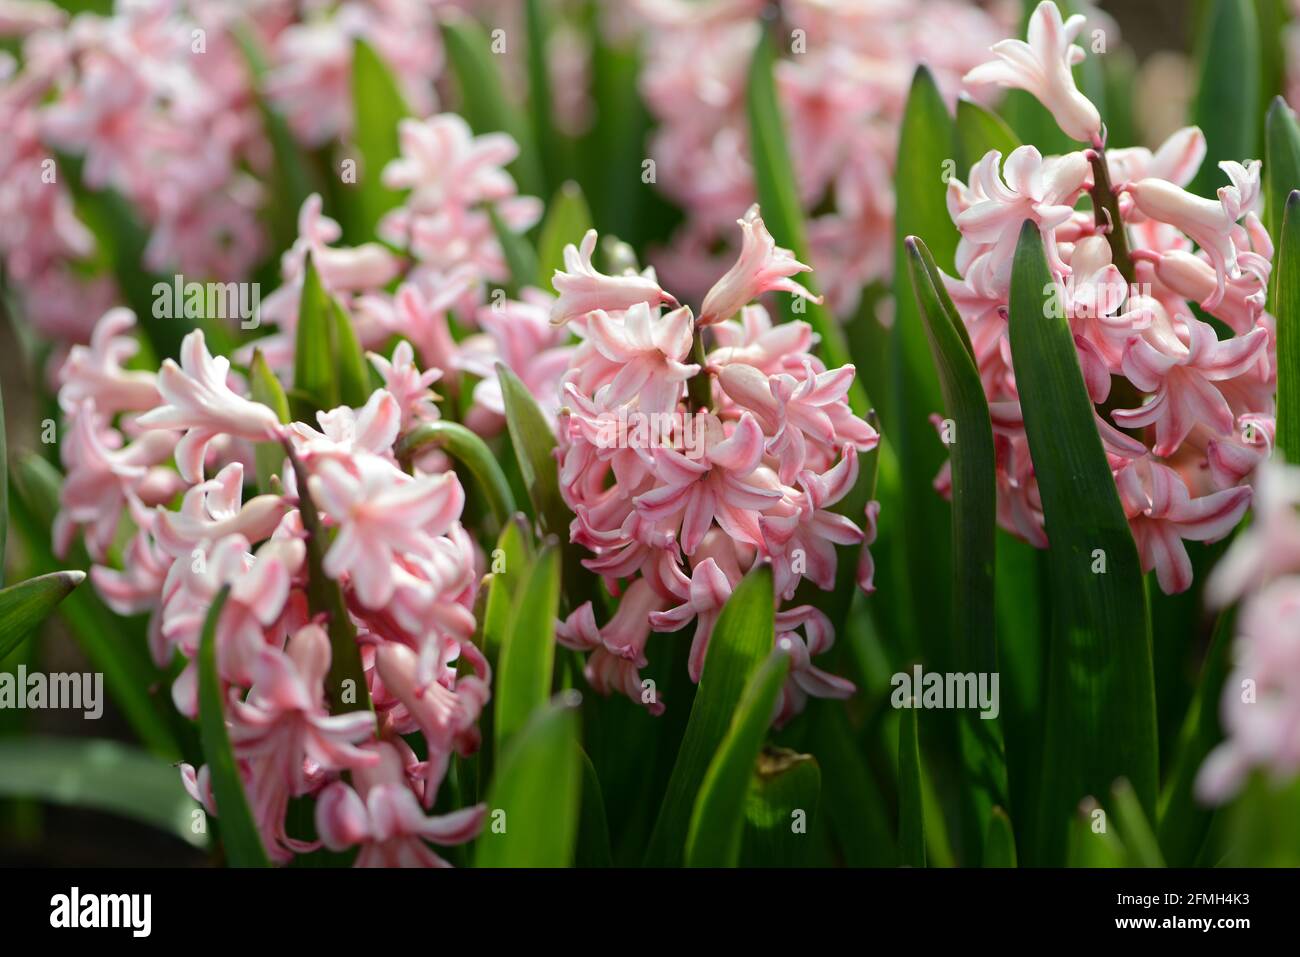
column 842, row 83
column 158, row 104
column 391, row 540
column 692, row 449
column 1175, row 345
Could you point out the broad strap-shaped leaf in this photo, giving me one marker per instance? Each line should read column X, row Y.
column 265, row 388
column 717, row 821
column 592, row 849
column 1183, row 821
column 974, row 483
column 4, row 492
column 527, row 657
column 1100, row 715
column 114, row 646
column 534, row 445
column 927, row 141
column 521, row 260
column 470, row 451
column 24, row 605
column 510, row 562
column 742, row 638
column 911, row 803
column 1000, row 841
column 778, row 196
column 856, row 812
column 1227, row 104
column 1134, row 827
column 349, row 360
column 978, row 131
column 1092, row 840
column 239, row 833
column 483, row 101
column 1286, row 279
column 567, row 221
column 536, row 794
column 541, row 103
column 782, row 811
column 314, row 375
column 379, row 109
column 1281, row 164
column 102, row 775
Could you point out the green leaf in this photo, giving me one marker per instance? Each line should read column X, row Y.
column 974, row 483
column 4, row 492
column 856, row 812
column 349, row 361
column 483, row 100
column 543, row 761
column 781, row 810
column 911, row 809
column 999, row 842
column 1282, row 164
column 511, row 561
column 741, row 640
column 593, row 829
column 265, row 388
column 978, row 131
column 1135, row 830
column 528, row 653
column 717, row 821
column 1227, row 92
column 1287, row 299
column 1100, row 710
column 534, row 445
column 778, row 197
column 239, row 834
column 313, row 364
column 292, row 179
column 379, row 108
column 540, row 97
column 567, row 221
column 1091, row 841
column 521, row 260
column 100, row 775
column 1183, row 820
column 112, row 645
column 927, row 145
column 25, row 605
column 472, row 452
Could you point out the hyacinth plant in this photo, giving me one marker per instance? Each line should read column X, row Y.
column 478, row 540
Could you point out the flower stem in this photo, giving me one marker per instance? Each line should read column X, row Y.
column 1106, row 209
column 699, row 389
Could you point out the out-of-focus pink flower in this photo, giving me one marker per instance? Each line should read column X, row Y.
column 96, row 371
column 1042, row 68
column 761, row 267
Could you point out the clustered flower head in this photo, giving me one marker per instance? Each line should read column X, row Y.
column 158, row 103
column 842, row 83
column 1190, row 398
column 693, row 450
column 391, row 541
column 1260, row 705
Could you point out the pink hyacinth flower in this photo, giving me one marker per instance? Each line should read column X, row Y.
column 761, row 266
column 583, row 289
column 1041, row 67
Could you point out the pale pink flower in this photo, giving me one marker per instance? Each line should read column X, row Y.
column 380, row 510
column 582, row 289
column 1270, row 545
column 384, row 817
column 96, row 371
column 1042, row 68
column 198, row 399
column 618, row 648
column 761, row 267
column 648, row 350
